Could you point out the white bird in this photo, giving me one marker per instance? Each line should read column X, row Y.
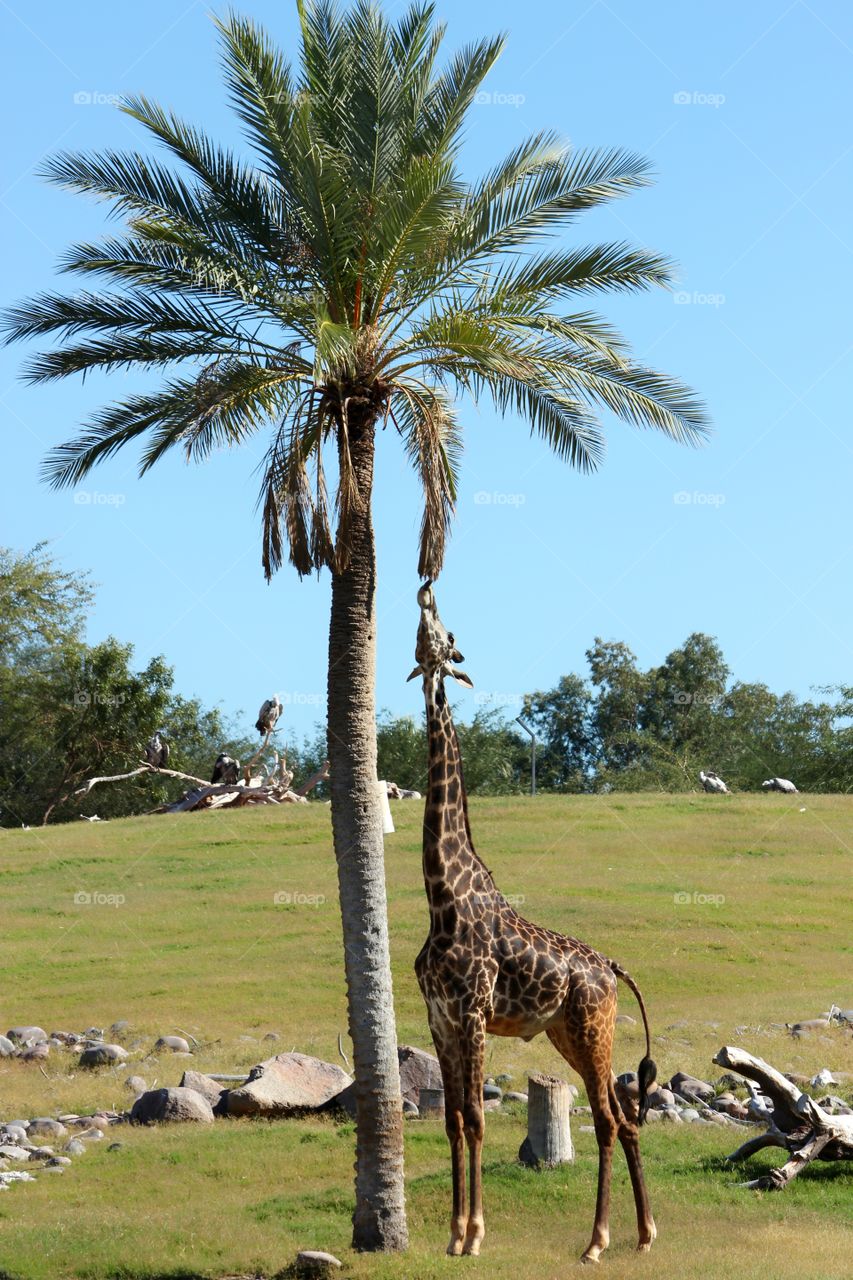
column 157, row 751
column 94, row 818
column 226, row 770
column 268, row 714
column 713, row 782
column 780, row 784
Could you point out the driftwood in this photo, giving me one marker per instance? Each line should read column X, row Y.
column 798, row 1124
column 549, row 1130
column 273, row 787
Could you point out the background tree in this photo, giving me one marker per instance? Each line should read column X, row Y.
column 346, row 278
column 560, row 718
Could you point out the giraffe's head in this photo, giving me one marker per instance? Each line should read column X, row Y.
column 435, row 650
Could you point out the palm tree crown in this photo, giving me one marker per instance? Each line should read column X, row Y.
column 347, row 276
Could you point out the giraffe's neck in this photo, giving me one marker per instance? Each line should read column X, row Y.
column 453, row 873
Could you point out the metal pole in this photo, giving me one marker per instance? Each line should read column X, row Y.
column 528, row 730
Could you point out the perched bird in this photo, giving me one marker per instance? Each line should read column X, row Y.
column 713, row 782
column 226, row 770
column 780, row 784
column 94, row 818
column 268, row 714
column 157, row 751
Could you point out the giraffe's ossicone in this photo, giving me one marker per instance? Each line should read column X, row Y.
column 485, row 969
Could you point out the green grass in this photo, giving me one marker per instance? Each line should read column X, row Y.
column 200, row 944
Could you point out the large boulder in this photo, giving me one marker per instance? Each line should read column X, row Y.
column 208, row 1088
column 418, row 1070
column 102, row 1055
column 289, row 1082
column 161, row 1105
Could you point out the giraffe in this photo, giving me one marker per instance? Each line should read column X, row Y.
column 484, row 968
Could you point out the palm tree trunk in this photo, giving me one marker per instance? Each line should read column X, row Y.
column 379, row 1220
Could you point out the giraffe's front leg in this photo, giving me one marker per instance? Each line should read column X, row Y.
column 448, row 1052
column 474, row 1045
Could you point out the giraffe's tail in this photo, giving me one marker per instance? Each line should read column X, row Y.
column 647, row 1071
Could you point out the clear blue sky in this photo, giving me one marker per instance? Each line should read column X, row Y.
column 745, row 111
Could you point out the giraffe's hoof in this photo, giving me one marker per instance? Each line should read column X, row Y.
column 472, row 1249
column 590, row 1258
column 454, row 1249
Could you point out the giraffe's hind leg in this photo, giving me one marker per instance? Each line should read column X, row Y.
column 629, row 1136
column 586, row 1045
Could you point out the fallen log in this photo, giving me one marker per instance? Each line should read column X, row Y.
column 797, row 1123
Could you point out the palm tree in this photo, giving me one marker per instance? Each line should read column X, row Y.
column 348, row 278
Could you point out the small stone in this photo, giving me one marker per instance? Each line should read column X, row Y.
column 53, row 1168
column 94, row 1033
column 174, row 1044
column 515, row 1096
column 36, row 1052
column 101, row 1055
column 627, row 1019
column 120, row 1028
column 13, row 1133
column 690, row 1113
column 135, row 1084
column 10, row 1152
column 7, row 1048
column 492, row 1092
column 56, row 1161
column 115, row 1146
column 671, row 1114
column 313, row 1262
column 90, row 1135
column 23, row 1035
column 410, row 1109
column 44, row 1127
column 492, row 1104
column 75, row 1147
column 272, row 1035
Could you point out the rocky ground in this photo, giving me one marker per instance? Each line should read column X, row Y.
column 292, row 1083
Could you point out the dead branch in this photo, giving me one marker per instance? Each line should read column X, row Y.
column 797, row 1123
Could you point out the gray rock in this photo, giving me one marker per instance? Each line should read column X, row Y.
column 135, row 1084
column 313, row 1262
column 202, row 1084
column 8, row 1151
column 661, row 1098
column 287, row 1083
column 101, row 1055
column 15, row 1133
column 627, row 1019
column 75, row 1147
column 94, row 1033
column 689, row 1086
column 22, row 1035
column 272, row 1035
column 115, row 1146
column 492, row 1104
column 174, row 1044
column 514, row 1096
column 418, row 1070
column 671, row 1114
column 690, row 1113
column 7, row 1047
column 120, row 1028
column 56, row 1162
column 36, row 1052
column 90, row 1135
column 53, row 1168
column 44, row 1127
column 171, row 1105
column 410, row 1109
column 492, row 1093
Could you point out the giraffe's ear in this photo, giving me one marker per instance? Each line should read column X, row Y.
column 418, row 671
column 461, row 677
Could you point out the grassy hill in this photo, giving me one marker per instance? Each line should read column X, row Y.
column 731, row 912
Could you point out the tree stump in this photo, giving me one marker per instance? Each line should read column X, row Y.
column 549, row 1130
column 798, row 1124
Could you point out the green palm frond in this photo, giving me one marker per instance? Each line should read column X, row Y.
column 344, row 273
